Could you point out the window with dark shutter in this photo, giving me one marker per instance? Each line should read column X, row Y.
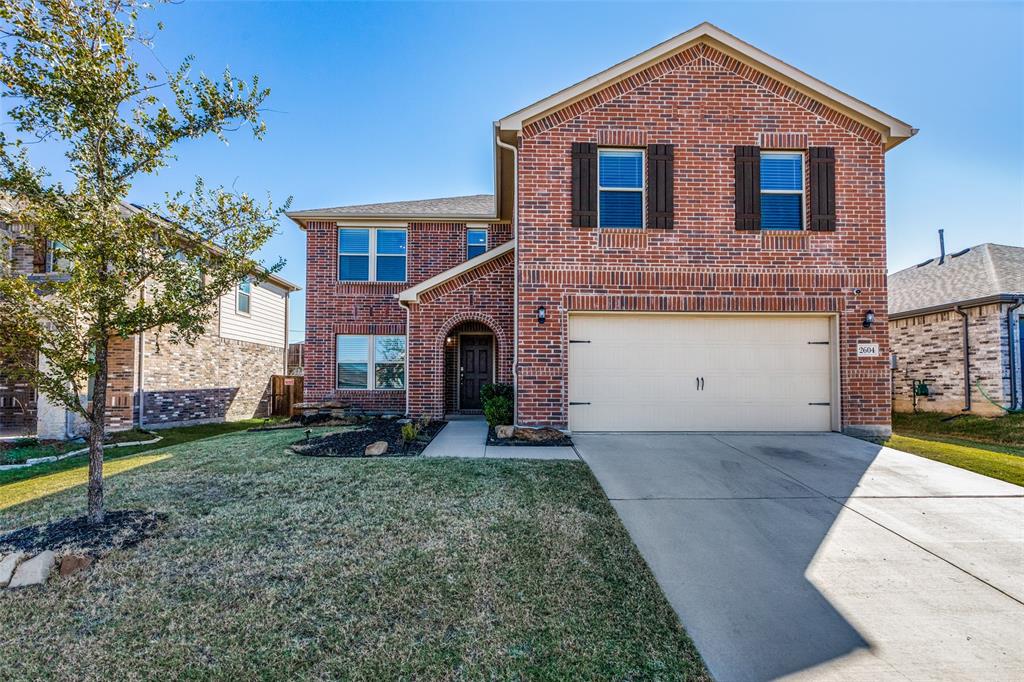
column 39, row 253
column 584, row 184
column 748, row 188
column 659, row 185
column 823, row 188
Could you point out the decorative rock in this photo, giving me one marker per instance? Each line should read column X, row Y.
column 504, row 431
column 376, row 449
column 35, row 571
column 403, row 422
column 539, row 435
column 73, row 563
column 7, row 566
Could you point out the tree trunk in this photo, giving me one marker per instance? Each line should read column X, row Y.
column 97, row 431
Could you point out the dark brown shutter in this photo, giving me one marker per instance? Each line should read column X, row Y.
column 823, row 188
column 748, row 188
column 39, row 245
column 584, row 184
column 659, row 185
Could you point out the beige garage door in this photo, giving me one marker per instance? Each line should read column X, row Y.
column 699, row 373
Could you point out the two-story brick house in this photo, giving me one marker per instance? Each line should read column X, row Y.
column 693, row 239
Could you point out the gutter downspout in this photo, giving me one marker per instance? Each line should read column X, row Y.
column 142, row 379
column 407, row 377
column 967, row 361
column 515, row 271
column 1009, row 348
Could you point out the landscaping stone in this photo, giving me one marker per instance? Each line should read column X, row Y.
column 376, row 448
column 34, row 571
column 504, row 431
column 538, row 435
column 73, row 563
column 7, row 566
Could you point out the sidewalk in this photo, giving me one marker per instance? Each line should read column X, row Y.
column 468, row 438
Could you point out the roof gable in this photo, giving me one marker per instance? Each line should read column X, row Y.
column 707, row 41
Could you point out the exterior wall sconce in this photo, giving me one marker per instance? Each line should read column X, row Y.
column 869, row 319
column 450, row 341
column 542, row 314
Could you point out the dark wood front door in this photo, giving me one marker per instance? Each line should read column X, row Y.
column 475, row 364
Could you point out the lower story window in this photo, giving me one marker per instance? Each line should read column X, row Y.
column 366, row 362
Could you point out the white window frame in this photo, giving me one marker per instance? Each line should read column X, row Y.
column 238, row 297
column 642, row 189
column 371, row 363
column 372, row 254
column 803, row 186
column 487, row 238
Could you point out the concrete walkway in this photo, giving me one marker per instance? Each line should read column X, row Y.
column 468, row 438
column 817, row 556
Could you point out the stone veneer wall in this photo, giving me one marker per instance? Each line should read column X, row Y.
column 929, row 348
column 215, row 380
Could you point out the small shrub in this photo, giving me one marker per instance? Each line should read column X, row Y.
column 409, row 432
column 488, row 391
column 498, row 410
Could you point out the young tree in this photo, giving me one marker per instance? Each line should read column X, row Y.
column 69, row 70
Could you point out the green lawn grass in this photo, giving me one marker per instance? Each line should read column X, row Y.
column 174, row 436
column 993, row 446
column 276, row 566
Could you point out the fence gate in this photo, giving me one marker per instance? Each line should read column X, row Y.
column 286, row 391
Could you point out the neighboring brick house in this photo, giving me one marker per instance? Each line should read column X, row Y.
column 955, row 322
column 225, row 375
column 692, row 239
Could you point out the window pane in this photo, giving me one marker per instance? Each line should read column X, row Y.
column 390, row 375
column 390, row 349
column 782, row 171
column 354, row 241
column 352, row 355
column 621, row 209
column 621, row 168
column 390, row 268
column 243, row 302
column 354, row 268
column 781, row 211
column 391, row 242
column 245, row 286
column 476, row 243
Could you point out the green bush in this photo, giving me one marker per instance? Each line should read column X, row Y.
column 410, row 431
column 488, row 391
column 498, row 410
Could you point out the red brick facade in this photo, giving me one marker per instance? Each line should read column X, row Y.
column 334, row 307
column 704, row 103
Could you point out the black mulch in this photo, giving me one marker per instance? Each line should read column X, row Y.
column 119, row 529
column 492, row 440
column 352, row 443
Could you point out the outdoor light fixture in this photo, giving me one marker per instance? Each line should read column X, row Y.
column 449, row 340
column 542, row 314
column 869, row 318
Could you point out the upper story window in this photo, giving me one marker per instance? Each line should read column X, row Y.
column 371, row 254
column 782, row 190
column 476, row 243
column 243, row 297
column 620, row 188
column 56, row 257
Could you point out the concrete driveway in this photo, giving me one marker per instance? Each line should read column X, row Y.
column 819, row 556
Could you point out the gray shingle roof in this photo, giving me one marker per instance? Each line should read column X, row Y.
column 473, row 206
column 979, row 272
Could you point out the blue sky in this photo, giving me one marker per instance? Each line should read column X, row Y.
column 388, row 101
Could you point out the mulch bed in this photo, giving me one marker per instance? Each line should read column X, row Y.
column 120, row 529
column 352, row 443
column 493, row 440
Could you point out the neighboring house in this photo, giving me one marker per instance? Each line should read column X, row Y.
column 693, row 239
column 225, row 375
column 955, row 323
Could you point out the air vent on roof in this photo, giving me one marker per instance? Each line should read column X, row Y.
column 959, row 253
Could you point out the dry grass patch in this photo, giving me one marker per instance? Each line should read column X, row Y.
column 291, row 567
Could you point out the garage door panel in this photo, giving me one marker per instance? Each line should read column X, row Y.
column 641, row 372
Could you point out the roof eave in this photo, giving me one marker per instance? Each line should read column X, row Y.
column 412, row 294
column 967, row 303
column 301, row 219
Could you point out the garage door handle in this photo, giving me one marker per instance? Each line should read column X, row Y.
column 572, row 403
column 819, row 403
